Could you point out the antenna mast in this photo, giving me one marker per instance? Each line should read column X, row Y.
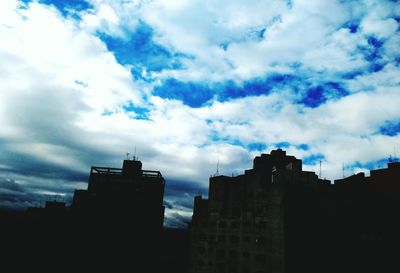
column 343, row 169
column 134, row 155
column 320, row 169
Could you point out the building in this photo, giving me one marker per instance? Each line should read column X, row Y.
column 278, row 218
column 113, row 225
column 130, row 195
column 366, row 230
column 241, row 227
column 118, row 220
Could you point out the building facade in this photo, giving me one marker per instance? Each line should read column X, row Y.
column 278, row 218
column 242, row 225
column 128, row 194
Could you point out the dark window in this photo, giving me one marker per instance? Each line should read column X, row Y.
column 221, row 253
column 233, row 254
column 260, row 258
column 234, row 239
column 200, row 263
column 235, row 224
column 211, row 237
column 201, row 250
column 202, row 237
column 261, row 241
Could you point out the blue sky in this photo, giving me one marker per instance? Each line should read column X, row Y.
column 190, row 83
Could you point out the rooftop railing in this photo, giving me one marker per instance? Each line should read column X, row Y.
column 118, row 171
column 148, row 173
column 106, row 170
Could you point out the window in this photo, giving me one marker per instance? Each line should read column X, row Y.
column 221, row 253
column 233, row 254
column 221, row 238
column 233, row 239
column 222, row 224
column 235, row 224
column 260, row 258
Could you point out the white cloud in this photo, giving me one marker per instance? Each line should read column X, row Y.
column 290, row 33
column 378, row 27
column 391, row 48
column 339, row 53
column 259, row 37
column 58, row 78
column 54, row 74
column 387, row 77
column 114, row 18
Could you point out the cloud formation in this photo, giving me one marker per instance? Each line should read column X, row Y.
column 191, row 83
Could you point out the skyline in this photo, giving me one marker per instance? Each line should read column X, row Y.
column 192, row 84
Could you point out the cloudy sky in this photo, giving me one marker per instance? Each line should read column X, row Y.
column 190, row 83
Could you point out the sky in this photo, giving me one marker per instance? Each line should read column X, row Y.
column 190, row 84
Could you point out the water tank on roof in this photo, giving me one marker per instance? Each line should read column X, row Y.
column 132, row 168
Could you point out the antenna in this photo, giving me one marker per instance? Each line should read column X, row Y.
column 320, row 169
column 217, row 173
column 127, row 156
column 134, row 154
column 343, row 169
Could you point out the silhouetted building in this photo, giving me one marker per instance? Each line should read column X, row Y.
column 278, row 218
column 367, row 220
column 130, row 194
column 115, row 225
column 51, row 212
column 118, row 220
column 55, row 206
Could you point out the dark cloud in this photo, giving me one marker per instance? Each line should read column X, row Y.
column 178, row 200
column 37, row 167
column 177, row 220
column 9, row 184
column 168, row 205
column 179, row 194
column 15, row 196
column 180, row 186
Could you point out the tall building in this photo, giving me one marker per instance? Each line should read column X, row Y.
column 241, row 227
column 278, row 218
column 117, row 222
column 130, row 195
